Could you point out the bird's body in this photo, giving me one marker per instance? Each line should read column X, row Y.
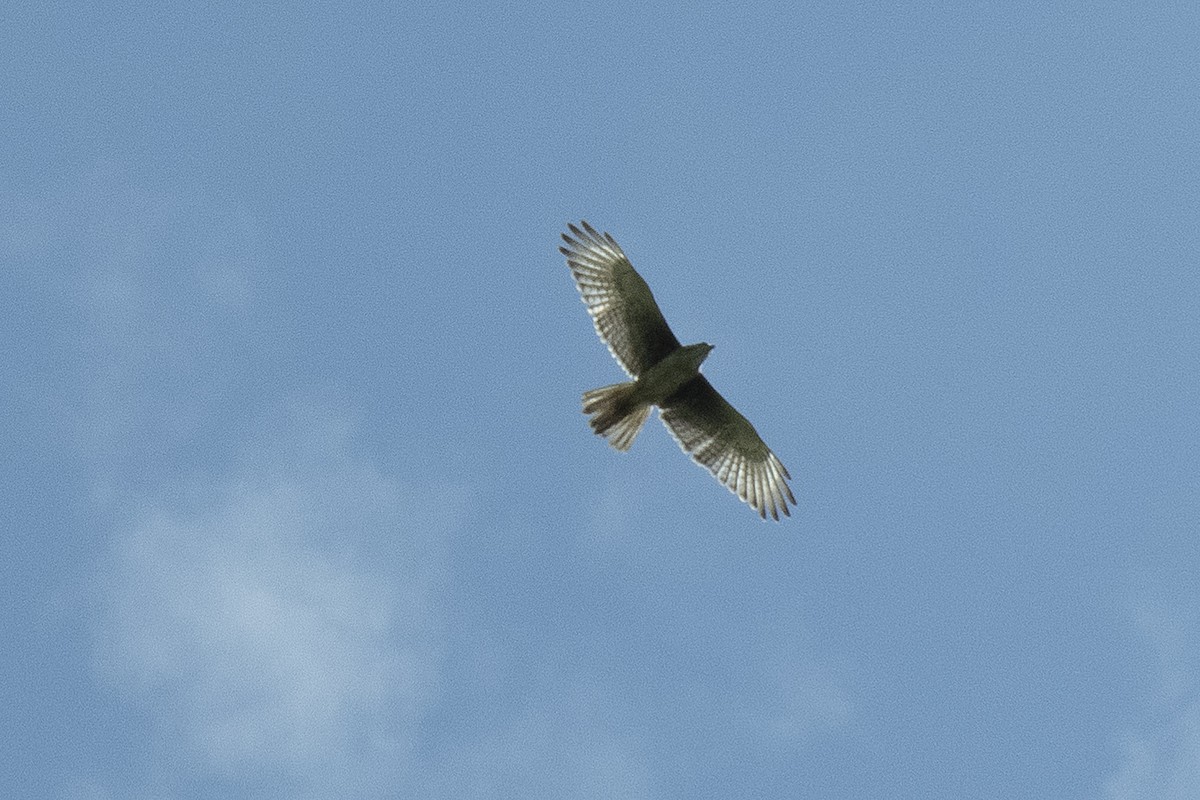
column 665, row 374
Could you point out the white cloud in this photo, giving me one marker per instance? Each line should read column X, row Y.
column 1163, row 767
column 287, row 621
column 278, row 623
column 1163, row 763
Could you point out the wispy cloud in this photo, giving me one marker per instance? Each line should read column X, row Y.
column 264, row 628
column 567, row 744
column 810, row 703
column 1162, row 761
column 270, row 604
column 149, row 293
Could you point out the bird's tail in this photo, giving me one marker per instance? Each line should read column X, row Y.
column 616, row 414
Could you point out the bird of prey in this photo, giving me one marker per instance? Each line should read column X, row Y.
column 665, row 374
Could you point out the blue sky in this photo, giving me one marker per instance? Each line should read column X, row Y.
column 299, row 502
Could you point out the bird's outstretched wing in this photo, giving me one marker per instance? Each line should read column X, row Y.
column 620, row 302
column 721, row 439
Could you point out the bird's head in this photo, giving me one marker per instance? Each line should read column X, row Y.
column 696, row 353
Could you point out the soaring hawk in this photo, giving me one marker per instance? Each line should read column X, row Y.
column 665, row 374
